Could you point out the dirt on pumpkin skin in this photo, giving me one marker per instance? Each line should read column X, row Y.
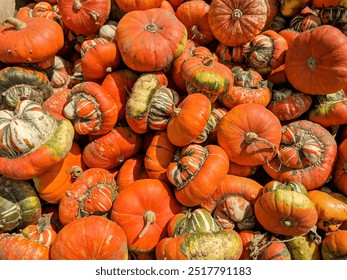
column 221, row 245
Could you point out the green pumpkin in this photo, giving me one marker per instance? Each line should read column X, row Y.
column 19, row 204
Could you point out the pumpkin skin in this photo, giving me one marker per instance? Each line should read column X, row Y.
column 119, row 84
column 30, row 40
column 143, row 219
column 158, row 156
column 236, row 22
column 317, row 71
column 92, row 193
column 303, row 248
column 52, row 184
column 332, row 212
column 253, row 128
column 84, row 16
column 197, row 220
column 290, row 8
column 306, row 155
column 197, row 172
column 91, row 109
column 201, row 246
column 18, row 247
column 113, row 148
column 339, row 175
column 103, row 239
column 329, row 3
column 262, row 246
column 231, row 204
column 334, row 246
column 19, row 83
column 189, row 119
column 285, row 211
column 132, row 5
column 48, row 152
column 20, row 204
column 194, row 16
column 288, row 104
column 149, row 40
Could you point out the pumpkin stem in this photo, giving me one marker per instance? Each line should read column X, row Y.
column 18, row 24
column 196, row 32
column 250, row 137
column 237, row 14
column 312, row 62
column 108, row 69
column 77, row 5
column 151, row 27
column 149, row 218
column 75, row 171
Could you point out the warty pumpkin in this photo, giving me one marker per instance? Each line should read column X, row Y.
column 92, row 193
column 149, row 40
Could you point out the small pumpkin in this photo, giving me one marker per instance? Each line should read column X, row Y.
column 197, row 172
column 334, row 246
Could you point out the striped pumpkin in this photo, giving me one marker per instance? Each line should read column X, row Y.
column 19, row 204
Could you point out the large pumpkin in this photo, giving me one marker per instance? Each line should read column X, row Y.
column 32, row 140
column 138, row 211
column 318, row 70
column 149, row 40
column 90, row 238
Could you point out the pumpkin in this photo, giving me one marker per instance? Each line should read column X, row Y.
column 329, row 3
column 282, row 209
column 334, row 246
column 18, row 247
column 303, row 248
column 262, row 246
column 340, row 168
column 108, row 30
column 92, row 193
column 332, row 212
column 119, row 85
column 150, row 108
column 241, row 170
column 197, row 172
column 83, row 16
column 288, row 104
column 265, row 51
column 149, row 40
column 102, row 239
column 306, row 155
column 132, row 5
column 131, row 170
column 219, row 245
column 317, row 71
column 137, row 211
column 249, row 87
column 250, row 134
column 19, row 204
column 113, row 148
column 231, row 204
column 194, row 16
column 306, row 19
column 290, row 8
column 329, row 110
column 29, row 40
column 189, row 119
column 197, row 220
column 20, row 83
column 236, row 22
column 41, row 232
column 230, row 56
column 54, row 104
column 91, row 109
column 52, row 184
column 158, row 156
column 32, row 141
column 60, row 77
column 206, row 75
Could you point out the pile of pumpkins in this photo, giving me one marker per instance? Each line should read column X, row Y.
column 172, row 129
